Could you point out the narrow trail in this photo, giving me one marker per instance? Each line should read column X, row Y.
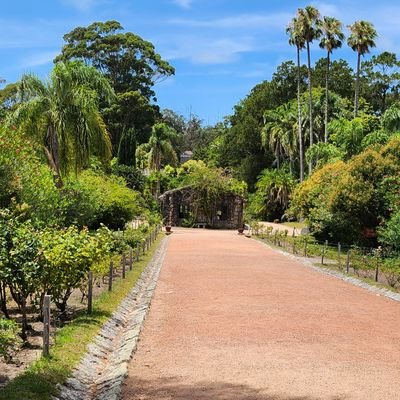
column 233, row 319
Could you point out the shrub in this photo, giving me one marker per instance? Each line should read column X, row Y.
column 9, row 339
column 95, row 199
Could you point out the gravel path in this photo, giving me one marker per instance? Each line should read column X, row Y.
column 232, row 319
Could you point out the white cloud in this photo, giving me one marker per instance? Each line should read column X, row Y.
column 40, row 58
column 207, row 52
column 183, row 3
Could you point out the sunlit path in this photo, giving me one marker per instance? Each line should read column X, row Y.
column 231, row 319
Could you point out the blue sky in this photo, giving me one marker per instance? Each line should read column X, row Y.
column 220, row 48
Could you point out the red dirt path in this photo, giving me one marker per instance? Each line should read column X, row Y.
column 232, row 319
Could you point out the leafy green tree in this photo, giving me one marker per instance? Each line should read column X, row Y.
column 63, row 115
column 341, row 80
column 382, row 74
column 391, row 118
column 296, row 38
column 362, row 38
column 309, row 27
column 8, row 99
column 348, row 135
column 20, row 269
column 132, row 66
column 332, row 37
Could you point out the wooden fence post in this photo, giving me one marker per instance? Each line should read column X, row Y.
column 46, row 326
column 130, row 259
column 348, row 261
column 377, row 272
column 90, row 293
column 123, row 266
column 110, row 276
column 339, row 246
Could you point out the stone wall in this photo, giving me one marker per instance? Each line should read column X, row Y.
column 177, row 204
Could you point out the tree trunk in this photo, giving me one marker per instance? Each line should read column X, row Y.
column 3, row 300
column 328, row 61
column 301, row 156
column 310, row 111
column 24, row 327
column 357, row 88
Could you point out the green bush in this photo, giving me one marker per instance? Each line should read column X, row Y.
column 9, row 339
column 94, row 199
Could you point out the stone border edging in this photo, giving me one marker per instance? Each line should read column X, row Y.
column 339, row 275
column 103, row 369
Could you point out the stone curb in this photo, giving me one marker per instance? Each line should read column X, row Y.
column 103, row 369
column 339, row 275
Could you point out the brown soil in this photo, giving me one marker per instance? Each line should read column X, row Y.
column 32, row 350
column 232, row 319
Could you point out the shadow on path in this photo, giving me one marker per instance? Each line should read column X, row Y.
column 171, row 388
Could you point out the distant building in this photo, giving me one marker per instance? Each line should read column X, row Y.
column 186, row 156
column 184, row 207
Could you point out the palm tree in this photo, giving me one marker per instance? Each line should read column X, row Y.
column 159, row 147
column 279, row 133
column 361, row 39
column 63, row 115
column 309, row 27
column 332, row 37
column 296, row 38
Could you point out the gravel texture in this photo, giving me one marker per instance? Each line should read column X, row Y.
column 233, row 319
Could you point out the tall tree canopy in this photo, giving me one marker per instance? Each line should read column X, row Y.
column 132, row 66
column 130, row 62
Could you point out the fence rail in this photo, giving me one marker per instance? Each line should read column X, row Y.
column 375, row 264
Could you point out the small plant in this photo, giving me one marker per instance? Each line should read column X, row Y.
column 9, row 339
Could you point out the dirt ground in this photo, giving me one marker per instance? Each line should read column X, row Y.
column 232, row 319
column 32, row 350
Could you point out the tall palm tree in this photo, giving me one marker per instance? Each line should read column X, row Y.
column 332, row 37
column 296, row 38
column 308, row 18
column 362, row 38
column 63, row 115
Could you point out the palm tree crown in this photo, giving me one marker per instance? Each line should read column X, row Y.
column 63, row 114
column 362, row 38
column 332, row 38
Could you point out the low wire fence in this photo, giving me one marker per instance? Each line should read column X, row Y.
column 379, row 265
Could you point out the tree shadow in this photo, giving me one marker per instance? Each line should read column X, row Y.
column 172, row 388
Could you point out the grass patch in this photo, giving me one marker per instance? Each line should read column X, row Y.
column 297, row 225
column 39, row 381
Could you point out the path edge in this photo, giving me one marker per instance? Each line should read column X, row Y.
column 378, row 291
column 116, row 342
